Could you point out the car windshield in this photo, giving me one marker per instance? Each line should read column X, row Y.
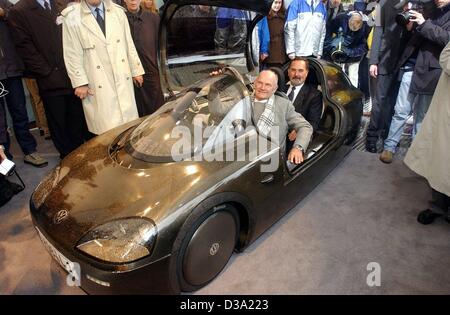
column 199, row 118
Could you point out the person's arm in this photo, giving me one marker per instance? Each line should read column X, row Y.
column 376, row 45
column 33, row 59
column 301, row 125
column 73, row 58
column 432, row 32
column 444, row 60
column 322, row 38
column 264, row 37
column 358, row 50
column 290, row 27
column 137, row 70
column 2, row 153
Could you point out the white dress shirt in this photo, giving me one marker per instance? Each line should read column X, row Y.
column 296, row 91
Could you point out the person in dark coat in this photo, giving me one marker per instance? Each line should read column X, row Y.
column 389, row 40
column 11, row 70
column 431, row 36
column 36, row 27
column 305, row 97
column 348, row 31
column 144, row 30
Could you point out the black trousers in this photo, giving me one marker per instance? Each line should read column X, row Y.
column 66, row 122
column 16, row 103
column 363, row 77
column 441, row 200
column 149, row 97
column 383, row 108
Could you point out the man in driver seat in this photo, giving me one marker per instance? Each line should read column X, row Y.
column 271, row 110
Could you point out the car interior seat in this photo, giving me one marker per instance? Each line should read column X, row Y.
column 281, row 82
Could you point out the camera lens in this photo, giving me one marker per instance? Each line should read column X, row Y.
column 403, row 18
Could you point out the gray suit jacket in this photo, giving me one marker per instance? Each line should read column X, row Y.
column 286, row 118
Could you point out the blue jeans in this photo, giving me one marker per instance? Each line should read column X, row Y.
column 421, row 104
column 16, row 103
column 403, row 108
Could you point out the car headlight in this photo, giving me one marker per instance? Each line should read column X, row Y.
column 120, row 241
column 45, row 187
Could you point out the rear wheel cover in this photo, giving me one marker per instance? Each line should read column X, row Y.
column 209, row 247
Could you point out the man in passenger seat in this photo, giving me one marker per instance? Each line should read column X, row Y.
column 305, row 97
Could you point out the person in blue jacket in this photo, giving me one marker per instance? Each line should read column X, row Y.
column 347, row 42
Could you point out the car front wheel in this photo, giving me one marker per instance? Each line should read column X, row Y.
column 207, row 247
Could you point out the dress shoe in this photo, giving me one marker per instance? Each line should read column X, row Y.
column 371, row 147
column 427, row 216
column 386, row 157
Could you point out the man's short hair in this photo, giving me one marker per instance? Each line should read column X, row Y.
column 305, row 60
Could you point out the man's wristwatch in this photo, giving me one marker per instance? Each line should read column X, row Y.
column 298, row 146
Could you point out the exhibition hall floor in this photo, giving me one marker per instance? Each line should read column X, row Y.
column 364, row 211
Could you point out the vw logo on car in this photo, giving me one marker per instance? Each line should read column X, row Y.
column 60, row 216
column 214, row 249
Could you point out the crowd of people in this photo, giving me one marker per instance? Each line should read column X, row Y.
column 89, row 77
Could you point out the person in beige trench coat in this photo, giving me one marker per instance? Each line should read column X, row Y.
column 102, row 67
column 429, row 155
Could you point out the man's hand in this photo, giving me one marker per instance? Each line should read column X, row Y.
column 83, row 91
column 263, row 57
column 2, row 154
column 295, row 156
column 138, row 81
column 417, row 17
column 373, row 70
column 292, row 135
column 291, row 56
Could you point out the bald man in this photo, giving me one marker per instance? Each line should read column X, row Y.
column 271, row 110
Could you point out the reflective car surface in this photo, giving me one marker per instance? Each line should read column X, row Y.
column 154, row 207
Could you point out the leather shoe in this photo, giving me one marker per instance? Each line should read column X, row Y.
column 371, row 147
column 386, row 156
column 35, row 160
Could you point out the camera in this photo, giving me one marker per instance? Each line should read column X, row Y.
column 422, row 6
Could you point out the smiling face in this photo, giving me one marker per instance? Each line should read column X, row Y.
column 276, row 5
column 298, row 72
column 265, row 85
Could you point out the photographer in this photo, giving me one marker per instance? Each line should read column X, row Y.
column 389, row 39
column 429, row 39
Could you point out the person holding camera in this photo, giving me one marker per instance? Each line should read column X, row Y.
column 431, row 36
column 420, row 68
column 389, row 39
